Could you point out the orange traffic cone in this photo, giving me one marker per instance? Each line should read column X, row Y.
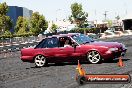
column 80, row 69
column 120, row 63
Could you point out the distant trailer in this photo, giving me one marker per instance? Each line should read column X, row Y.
column 127, row 24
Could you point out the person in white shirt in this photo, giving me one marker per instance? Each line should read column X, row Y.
column 67, row 44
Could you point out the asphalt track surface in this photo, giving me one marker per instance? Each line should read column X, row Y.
column 16, row 74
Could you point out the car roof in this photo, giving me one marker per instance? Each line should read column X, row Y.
column 63, row 35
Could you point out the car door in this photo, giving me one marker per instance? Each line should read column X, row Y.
column 78, row 53
column 80, row 49
column 65, row 53
column 50, row 48
column 69, row 53
column 54, row 52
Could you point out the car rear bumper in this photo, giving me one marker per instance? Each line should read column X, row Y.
column 27, row 58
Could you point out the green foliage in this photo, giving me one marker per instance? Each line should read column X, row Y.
column 23, row 34
column 21, row 25
column 109, row 23
column 3, row 8
column 7, row 34
column 24, row 27
column 78, row 15
column 38, row 23
column 71, row 19
column 5, row 21
column 76, row 9
column 117, row 17
column 82, row 30
column 53, row 28
column 34, row 26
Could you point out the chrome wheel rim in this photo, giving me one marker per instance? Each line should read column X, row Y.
column 93, row 57
column 40, row 60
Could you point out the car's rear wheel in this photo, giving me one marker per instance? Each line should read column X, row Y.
column 94, row 57
column 40, row 61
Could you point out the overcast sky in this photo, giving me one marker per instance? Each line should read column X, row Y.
column 53, row 9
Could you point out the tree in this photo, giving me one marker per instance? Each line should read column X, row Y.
column 38, row 23
column 3, row 8
column 5, row 21
column 53, row 28
column 78, row 15
column 22, row 25
column 71, row 19
column 7, row 33
column 109, row 23
column 117, row 17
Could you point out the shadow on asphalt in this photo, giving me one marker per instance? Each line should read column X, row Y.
column 115, row 61
column 66, row 63
column 58, row 64
column 63, row 64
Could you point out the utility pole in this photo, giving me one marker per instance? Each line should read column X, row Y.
column 125, row 6
column 105, row 14
column 58, row 14
column 96, row 19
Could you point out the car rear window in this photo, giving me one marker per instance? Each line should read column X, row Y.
column 42, row 44
column 48, row 43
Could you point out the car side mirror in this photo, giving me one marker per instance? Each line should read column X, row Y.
column 74, row 46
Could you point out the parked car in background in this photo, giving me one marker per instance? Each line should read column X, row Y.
column 93, row 36
column 110, row 34
column 110, row 30
column 102, row 35
column 127, row 32
column 52, row 49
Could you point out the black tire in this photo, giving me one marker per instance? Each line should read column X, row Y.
column 94, row 57
column 40, row 61
column 81, row 80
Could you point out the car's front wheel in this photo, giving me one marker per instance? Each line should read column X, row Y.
column 94, row 57
column 40, row 61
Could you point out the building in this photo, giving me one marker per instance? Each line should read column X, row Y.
column 14, row 12
column 64, row 25
column 127, row 22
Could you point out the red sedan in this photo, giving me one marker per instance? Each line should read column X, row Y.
column 70, row 48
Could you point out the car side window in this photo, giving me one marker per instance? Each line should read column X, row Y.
column 52, row 42
column 65, row 41
column 42, row 44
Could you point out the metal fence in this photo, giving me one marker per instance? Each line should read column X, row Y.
column 10, row 45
